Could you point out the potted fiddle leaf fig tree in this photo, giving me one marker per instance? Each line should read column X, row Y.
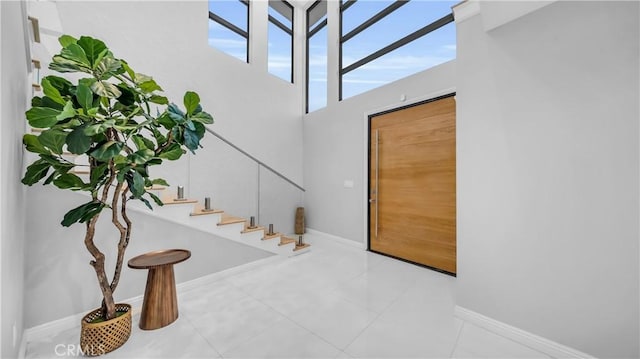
column 121, row 121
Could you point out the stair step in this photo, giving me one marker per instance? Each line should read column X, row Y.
column 286, row 240
column 255, row 229
column 228, row 219
column 271, row 236
column 170, row 199
column 199, row 210
column 156, row 187
column 301, row 247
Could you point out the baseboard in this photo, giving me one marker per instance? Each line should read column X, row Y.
column 337, row 239
column 72, row 321
column 543, row 345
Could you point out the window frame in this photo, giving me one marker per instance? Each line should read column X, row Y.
column 232, row 27
column 423, row 31
column 308, row 35
column 288, row 31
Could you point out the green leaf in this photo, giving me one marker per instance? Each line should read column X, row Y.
column 33, row 144
column 172, row 152
column 92, row 48
column 145, row 201
column 191, row 140
column 175, row 113
column 142, row 143
column 35, row 172
column 61, row 84
column 105, row 89
column 160, row 181
column 67, row 112
column 129, row 70
column 128, row 97
column 191, row 101
column 66, row 40
column 123, row 173
column 108, row 67
column 53, row 139
column 149, row 86
column 75, row 53
column 84, row 96
column 189, row 124
column 160, row 100
column 97, row 128
column 107, row 151
column 137, row 185
column 203, row 118
column 69, row 181
column 62, row 64
column 155, row 198
column 166, row 121
column 51, row 91
column 200, row 129
column 47, row 102
column 82, row 213
column 141, row 157
column 61, row 166
column 78, row 142
column 97, row 175
column 42, row 117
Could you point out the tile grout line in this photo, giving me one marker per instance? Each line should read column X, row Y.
column 378, row 316
column 203, row 337
column 455, row 345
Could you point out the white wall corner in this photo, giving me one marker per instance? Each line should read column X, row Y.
column 465, row 10
column 498, row 13
column 338, row 239
column 543, row 345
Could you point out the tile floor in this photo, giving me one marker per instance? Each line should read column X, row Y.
column 335, row 301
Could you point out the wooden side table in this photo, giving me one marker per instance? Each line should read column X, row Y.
column 160, row 304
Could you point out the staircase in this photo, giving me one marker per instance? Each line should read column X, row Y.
column 191, row 213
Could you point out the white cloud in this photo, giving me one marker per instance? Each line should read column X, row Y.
column 362, row 81
column 227, row 43
column 279, row 62
column 406, row 63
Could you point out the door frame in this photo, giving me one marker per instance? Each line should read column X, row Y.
column 434, row 96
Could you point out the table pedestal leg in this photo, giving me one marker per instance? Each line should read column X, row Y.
column 160, row 305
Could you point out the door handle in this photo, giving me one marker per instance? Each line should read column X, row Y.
column 377, row 189
column 372, row 200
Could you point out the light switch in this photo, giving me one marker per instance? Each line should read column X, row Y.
column 348, row 183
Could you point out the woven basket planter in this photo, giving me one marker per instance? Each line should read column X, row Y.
column 104, row 337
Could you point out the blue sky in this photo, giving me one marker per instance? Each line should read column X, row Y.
column 428, row 51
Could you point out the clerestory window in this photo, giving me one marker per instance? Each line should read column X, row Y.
column 383, row 41
column 280, row 46
column 229, row 27
column 316, row 56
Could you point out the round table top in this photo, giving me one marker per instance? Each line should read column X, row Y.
column 159, row 258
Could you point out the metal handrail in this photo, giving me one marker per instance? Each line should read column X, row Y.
column 254, row 159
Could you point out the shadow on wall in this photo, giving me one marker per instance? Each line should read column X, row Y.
column 59, row 279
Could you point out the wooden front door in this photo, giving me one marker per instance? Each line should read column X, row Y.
column 412, row 184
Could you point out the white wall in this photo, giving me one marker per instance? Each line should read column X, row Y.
column 335, row 142
column 548, row 173
column 59, row 280
column 14, row 90
column 168, row 40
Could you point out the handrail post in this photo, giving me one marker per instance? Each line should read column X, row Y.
column 258, row 195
